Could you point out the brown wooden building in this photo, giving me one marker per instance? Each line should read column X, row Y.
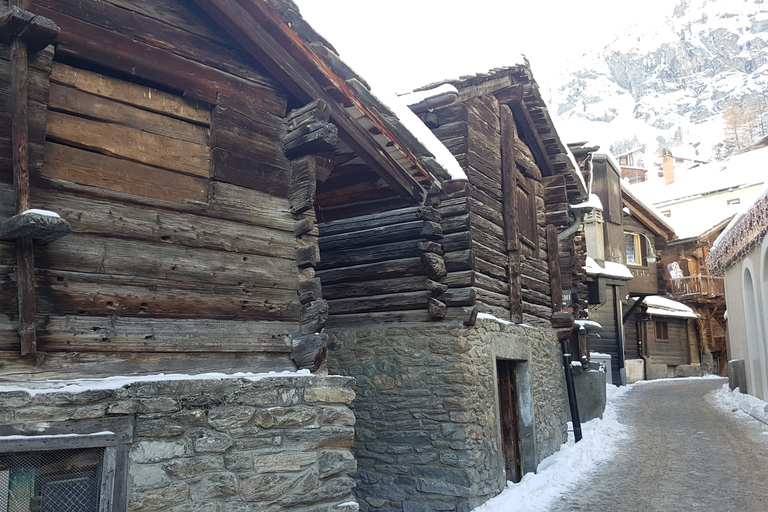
column 187, row 148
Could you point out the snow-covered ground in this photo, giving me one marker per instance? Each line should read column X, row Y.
column 573, row 462
column 566, row 467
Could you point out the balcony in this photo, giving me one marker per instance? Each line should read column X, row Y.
column 692, row 287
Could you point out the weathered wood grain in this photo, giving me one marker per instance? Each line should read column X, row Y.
column 75, row 365
column 138, row 222
column 129, row 143
column 79, row 103
column 147, row 98
column 79, row 293
column 111, row 173
column 117, row 334
column 406, row 267
column 99, row 255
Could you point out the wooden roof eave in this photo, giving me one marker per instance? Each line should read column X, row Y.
column 646, row 216
column 263, row 34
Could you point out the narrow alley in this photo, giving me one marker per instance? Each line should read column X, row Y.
column 682, row 454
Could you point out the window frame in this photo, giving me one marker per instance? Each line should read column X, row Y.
column 663, row 326
column 56, row 435
column 638, row 249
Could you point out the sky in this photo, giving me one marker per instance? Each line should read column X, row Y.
column 400, row 45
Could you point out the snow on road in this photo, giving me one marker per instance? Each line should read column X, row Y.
column 559, row 472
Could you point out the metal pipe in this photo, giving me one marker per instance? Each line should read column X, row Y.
column 432, row 102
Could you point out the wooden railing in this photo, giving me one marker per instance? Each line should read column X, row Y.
column 709, row 286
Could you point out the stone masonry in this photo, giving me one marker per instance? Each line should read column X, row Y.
column 427, row 435
column 221, row 445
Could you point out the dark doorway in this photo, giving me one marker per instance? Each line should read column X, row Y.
column 510, row 414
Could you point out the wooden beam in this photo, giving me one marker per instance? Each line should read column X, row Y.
column 514, row 98
column 306, row 76
column 25, row 263
column 553, row 256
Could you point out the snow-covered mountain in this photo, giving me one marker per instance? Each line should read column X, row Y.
column 669, row 82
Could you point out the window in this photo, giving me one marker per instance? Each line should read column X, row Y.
column 667, row 213
column 634, row 253
column 662, row 330
column 734, row 201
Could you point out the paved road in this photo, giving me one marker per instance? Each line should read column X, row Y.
column 681, row 455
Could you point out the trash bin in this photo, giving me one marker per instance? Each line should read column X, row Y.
column 605, row 362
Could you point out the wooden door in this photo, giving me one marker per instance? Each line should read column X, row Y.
column 509, row 412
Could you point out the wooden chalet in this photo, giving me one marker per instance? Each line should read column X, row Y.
column 688, row 280
column 162, row 166
column 442, row 312
column 187, row 146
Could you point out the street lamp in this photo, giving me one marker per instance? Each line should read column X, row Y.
column 651, row 257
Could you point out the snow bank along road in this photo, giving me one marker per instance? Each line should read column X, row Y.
column 681, row 454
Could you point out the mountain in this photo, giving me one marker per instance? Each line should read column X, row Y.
column 670, row 83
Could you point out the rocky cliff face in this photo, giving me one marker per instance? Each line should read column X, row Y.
column 671, row 82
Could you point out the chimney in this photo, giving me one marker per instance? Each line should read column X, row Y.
column 668, row 166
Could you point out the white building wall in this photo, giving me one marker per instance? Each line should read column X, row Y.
column 746, row 294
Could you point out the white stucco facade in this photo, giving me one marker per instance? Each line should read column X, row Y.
column 746, row 294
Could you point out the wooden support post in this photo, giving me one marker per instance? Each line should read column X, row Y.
column 25, row 262
column 511, row 227
column 553, row 256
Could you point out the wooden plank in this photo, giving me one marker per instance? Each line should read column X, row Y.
column 390, row 286
column 147, row 98
column 180, row 29
column 408, row 231
column 89, row 253
column 121, row 428
column 402, row 267
column 509, row 180
column 75, row 365
column 118, row 334
column 72, row 101
column 373, row 220
column 126, row 54
column 553, row 251
column 138, row 146
column 515, row 287
column 78, row 293
column 96, row 216
column 25, row 270
column 111, row 173
column 369, row 254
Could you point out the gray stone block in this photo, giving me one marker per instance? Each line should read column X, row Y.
column 655, row 371
column 686, row 370
column 736, row 371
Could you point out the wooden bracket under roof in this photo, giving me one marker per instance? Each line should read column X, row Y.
column 35, row 31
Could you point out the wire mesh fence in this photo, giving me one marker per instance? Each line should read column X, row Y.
column 51, row 481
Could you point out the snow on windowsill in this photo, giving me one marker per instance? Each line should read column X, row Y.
column 54, row 436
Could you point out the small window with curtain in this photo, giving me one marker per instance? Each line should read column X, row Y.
column 633, row 249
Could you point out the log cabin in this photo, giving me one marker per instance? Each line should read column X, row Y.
column 162, row 164
column 443, row 313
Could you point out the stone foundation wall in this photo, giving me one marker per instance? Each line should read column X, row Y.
column 220, row 445
column 428, row 430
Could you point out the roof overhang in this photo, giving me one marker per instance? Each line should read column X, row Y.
column 261, row 30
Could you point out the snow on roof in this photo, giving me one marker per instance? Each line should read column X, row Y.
column 592, row 202
column 419, row 130
column 743, row 233
column 661, row 306
column 117, row 382
column 415, row 97
column 611, row 269
column 738, row 171
column 588, row 323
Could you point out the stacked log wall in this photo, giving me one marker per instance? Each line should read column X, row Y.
column 161, row 145
column 397, row 265
column 472, row 131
